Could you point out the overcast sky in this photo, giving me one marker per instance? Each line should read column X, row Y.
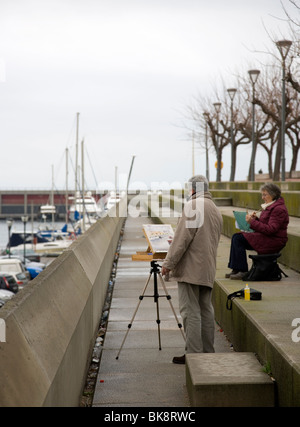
column 129, row 67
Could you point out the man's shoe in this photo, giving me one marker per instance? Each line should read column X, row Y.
column 227, row 275
column 238, row 276
column 179, row 360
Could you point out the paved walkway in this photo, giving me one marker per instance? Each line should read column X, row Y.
column 143, row 375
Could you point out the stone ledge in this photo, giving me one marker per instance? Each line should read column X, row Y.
column 227, row 380
column 263, row 327
column 251, row 199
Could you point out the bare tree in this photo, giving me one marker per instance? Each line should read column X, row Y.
column 268, row 114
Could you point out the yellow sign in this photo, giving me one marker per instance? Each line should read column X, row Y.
column 216, row 164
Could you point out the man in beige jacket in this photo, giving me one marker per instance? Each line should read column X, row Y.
column 191, row 261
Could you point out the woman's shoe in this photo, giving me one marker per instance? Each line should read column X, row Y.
column 227, row 275
column 238, row 276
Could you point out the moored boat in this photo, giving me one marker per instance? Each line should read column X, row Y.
column 86, row 205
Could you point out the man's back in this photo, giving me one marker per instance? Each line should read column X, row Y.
column 192, row 255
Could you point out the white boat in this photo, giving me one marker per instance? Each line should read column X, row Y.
column 50, row 248
column 47, row 209
column 86, row 205
column 45, row 241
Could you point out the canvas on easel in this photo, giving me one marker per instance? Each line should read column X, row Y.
column 159, row 237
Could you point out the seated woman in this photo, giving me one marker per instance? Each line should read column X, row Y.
column 270, row 232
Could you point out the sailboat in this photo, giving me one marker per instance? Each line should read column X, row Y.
column 48, row 230
column 85, row 210
column 115, row 196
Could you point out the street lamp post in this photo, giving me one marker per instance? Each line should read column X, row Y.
column 193, row 154
column 9, row 223
column 217, row 106
column 24, row 220
column 283, row 47
column 205, row 115
column 253, row 74
column 231, row 93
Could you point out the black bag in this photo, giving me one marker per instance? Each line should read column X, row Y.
column 254, row 295
column 264, row 268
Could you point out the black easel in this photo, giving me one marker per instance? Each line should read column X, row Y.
column 155, row 270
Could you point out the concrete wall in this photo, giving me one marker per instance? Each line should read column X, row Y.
column 252, row 199
column 51, row 324
column 250, row 185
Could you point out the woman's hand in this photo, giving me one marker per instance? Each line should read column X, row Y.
column 250, row 217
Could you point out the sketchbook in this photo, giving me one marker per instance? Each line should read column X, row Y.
column 241, row 223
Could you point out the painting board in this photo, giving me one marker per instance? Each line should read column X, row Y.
column 159, row 237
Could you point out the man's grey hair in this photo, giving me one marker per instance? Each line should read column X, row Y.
column 198, row 183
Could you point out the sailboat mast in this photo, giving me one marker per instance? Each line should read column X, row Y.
column 131, row 166
column 52, row 197
column 116, row 180
column 82, row 184
column 193, row 156
column 67, row 177
column 76, row 156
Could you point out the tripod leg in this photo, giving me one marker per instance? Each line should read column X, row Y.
column 171, row 305
column 156, row 298
column 158, row 324
column 134, row 314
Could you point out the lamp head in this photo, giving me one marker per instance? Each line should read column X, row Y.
column 231, row 93
column 253, row 74
column 284, row 47
column 217, row 106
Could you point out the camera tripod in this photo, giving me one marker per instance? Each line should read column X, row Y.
column 155, row 270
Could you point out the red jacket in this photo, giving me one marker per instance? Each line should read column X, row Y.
column 270, row 230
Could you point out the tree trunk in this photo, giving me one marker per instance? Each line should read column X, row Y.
column 270, row 164
column 233, row 163
column 294, row 159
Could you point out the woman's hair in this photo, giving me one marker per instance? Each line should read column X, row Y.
column 272, row 189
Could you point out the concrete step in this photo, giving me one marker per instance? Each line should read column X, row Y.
column 227, row 380
column 251, row 199
column 223, row 201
